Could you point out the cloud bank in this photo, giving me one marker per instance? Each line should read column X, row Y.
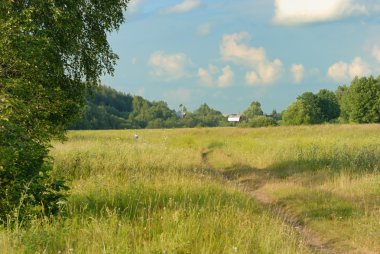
column 343, row 72
column 169, row 67
column 262, row 70
column 213, row 77
column 293, row 12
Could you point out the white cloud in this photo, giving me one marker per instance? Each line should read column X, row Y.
column 291, row 12
column 204, row 29
column 338, row 71
column 233, row 50
column 266, row 73
column 134, row 5
column 205, row 77
column 262, row 70
column 271, row 71
column 358, row 68
column 209, row 77
column 169, row 67
column 298, row 71
column 185, row 6
column 180, row 95
column 227, row 77
column 251, row 78
column 342, row 71
column 376, row 52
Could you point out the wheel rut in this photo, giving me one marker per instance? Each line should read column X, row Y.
column 314, row 242
column 252, row 183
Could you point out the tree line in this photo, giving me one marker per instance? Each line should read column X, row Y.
column 357, row 103
column 107, row 108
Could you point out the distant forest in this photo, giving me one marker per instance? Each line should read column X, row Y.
column 107, row 108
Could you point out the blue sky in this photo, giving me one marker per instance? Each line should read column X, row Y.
column 229, row 53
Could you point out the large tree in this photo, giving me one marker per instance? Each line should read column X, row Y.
column 50, row 52
column 305, row 110
column 361, row 102
column 207, row 117
column 253, row 110
column 328, row 104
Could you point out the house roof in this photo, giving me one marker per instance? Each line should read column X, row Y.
column 234, row 118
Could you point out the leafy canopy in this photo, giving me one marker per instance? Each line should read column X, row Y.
column 253, row 110
column 361, row 101
column 50, row 51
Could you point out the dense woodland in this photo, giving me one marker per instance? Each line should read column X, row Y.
column 109, row 109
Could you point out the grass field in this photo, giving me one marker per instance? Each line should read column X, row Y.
column 222, row 190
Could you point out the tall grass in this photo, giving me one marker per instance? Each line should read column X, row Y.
column 154, row 195
column 180, row 191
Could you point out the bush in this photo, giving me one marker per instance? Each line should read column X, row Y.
column 262, row 121
column 26, row 188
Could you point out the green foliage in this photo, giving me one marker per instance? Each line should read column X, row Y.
column 341, row 90
column 261, row 121
column 109, row 109
column 305, row 110
column 361, row 102
column 205, row 116
column 253, row 110
column 106, row 109
column 50, row 51
column 328, row 104
column 26, row 186
column 276, row 116
column 312, row 108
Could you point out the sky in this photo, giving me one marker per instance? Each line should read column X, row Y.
column 229, row 53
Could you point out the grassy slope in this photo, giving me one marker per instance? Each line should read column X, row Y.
column 167, row 192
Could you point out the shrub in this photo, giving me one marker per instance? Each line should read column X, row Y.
column 261, row 121
column 26, row 187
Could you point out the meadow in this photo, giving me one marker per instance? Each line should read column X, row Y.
column 300, row 189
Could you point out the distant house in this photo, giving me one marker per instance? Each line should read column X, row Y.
column 235, row 118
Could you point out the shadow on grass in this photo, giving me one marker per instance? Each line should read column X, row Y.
column 309, row 159
column 237, row 171
column 314, row 170
column 355, row 161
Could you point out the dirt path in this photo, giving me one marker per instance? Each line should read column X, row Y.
column 251, row 184
column 314, row 242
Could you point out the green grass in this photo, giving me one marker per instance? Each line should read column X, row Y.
column 182, row 191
